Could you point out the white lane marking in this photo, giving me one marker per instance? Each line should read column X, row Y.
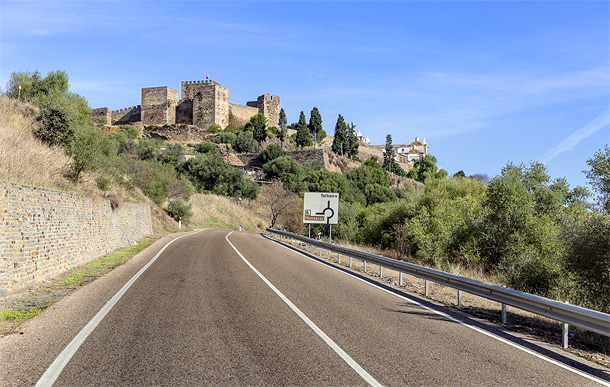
column 52, row 373
column 347, row 358
column 578, row 372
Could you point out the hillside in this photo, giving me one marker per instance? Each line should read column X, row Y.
column 23, row 158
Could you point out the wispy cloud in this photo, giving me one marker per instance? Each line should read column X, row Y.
column 569, row 143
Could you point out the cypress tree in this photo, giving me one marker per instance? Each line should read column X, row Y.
column 282, row 121
column 303, row 138
column 340, row 136
column 352, row 140
column 388, row 155
column 315, row 124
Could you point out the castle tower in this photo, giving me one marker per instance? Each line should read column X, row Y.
column 269, row 105
column 210, row 102
column 159, row 105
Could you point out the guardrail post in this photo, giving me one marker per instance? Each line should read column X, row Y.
column 426, row 286
column 504, row 310
column 400, row 278
column 565, row 333
column 459, row 297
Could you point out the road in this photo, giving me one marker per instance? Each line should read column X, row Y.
column 231, row 308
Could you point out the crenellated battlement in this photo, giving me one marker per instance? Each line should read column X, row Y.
column 126, row 110
column 201, row 82
column 201, row 103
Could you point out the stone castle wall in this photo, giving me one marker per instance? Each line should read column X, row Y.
column 44, row 232
column 203, row 103
column 159, row 105
column 184, row 112
column 97, row 114
column 240, row 114
column 211, row 105
column 126, row 115
column 269, row 105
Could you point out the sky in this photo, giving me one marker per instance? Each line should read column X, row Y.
column 484, row 82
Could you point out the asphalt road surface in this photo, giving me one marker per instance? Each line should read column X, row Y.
column 230, row 308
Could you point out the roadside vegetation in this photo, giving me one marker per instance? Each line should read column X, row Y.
column 521, row 228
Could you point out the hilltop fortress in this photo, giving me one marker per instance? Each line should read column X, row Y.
column 202, row 103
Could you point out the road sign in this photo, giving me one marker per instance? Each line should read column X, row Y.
column 321, row 207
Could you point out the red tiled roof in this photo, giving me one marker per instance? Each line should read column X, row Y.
column 232, row 160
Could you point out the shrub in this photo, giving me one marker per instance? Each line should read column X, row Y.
column 103, row 183
column 57, row 128
column 214, row 128
column 245, row 143
column 178, row 209
column 206, row 147
column 172, row 155
column 131, row 131
column 86, row 150
column 271, row 152
column 225, row 138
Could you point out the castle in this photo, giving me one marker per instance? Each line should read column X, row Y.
column 203, row 103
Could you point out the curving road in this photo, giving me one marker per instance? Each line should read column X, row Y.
column 228, row 308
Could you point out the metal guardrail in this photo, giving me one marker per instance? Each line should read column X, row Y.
column 587, row 319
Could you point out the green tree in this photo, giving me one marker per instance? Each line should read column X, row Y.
column 599, row 177
column 271, row 152
column 61, row 111
column 372, row 181
column 587, row 261
column 57, row 126
column 351, row 141
column 209, row 173
column 130, row 130
column 154, row 178
column 322, row 180
column 388, row 153
column 245, row 143
column 226, row 137
column 303, row 138
column 87, row 150
column 340, row 139
column 282, row 121
column 286, row 170
column 425, row 168
column 258, row 126
column 172, row 155
column 179, row 210
column 315, row 124
column 207, row 147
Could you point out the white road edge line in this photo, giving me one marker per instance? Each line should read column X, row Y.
column 52, row 373
column 347, row 358
column 578, row 372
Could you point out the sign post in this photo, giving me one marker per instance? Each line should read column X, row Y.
column 321, row 208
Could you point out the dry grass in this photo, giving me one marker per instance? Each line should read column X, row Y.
column 213, row 211
column 23, row 158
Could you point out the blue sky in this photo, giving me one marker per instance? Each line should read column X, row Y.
column 485, row 82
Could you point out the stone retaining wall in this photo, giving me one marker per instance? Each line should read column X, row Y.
column 44, row 232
